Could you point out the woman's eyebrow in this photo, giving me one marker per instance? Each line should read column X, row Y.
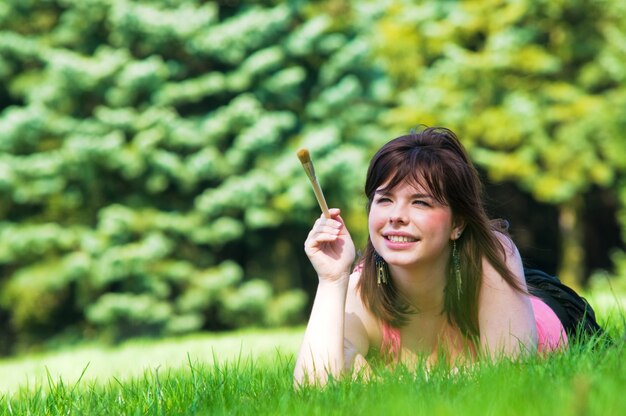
column 413, row 196
column 421, row 196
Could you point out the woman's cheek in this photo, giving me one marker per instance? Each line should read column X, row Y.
column 376, row 219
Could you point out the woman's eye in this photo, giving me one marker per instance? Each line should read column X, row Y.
column 422, row 203
column 382, row 200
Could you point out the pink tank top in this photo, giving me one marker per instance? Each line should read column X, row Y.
column 550, row 332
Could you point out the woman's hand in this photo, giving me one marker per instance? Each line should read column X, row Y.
column 329, row 247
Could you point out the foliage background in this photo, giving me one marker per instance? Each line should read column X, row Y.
column 148, row 178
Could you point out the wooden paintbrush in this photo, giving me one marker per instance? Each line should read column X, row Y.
column 307, row 164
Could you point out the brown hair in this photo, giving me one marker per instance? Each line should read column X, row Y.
column 435, row 159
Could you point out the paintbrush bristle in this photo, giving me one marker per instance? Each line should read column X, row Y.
column 303, row 155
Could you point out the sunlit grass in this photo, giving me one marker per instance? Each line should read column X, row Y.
column 579, row 381
column 250, row 372
column 133, row 358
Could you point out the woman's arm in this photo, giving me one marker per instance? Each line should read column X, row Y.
column 505, row 315
column 331, row 252
column 335, row 341
column 322, row 350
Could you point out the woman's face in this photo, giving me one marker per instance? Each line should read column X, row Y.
column 409, row 228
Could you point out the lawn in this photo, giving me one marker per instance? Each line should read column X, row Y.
column 97, row 363
column 249, row 372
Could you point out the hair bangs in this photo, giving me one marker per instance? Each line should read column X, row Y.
column 420, row 168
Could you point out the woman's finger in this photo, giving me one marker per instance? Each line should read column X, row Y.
column 325, row 237
column 323, row 228
column 319, row 239
column 326, row 230
column 331, row 222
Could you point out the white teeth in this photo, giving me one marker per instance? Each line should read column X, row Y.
column 400, row 239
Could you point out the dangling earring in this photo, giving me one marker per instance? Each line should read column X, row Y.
column 456, row 264
column 382, row 270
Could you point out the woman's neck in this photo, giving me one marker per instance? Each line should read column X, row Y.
column 423, row 287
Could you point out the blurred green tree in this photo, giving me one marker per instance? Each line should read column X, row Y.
column 148, row 177
column 535, row 88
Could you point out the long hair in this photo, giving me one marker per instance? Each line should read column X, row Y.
column 435, row 160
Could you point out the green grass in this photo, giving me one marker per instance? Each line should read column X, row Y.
column 580, row 381
column 245, row 373
column 98, row 363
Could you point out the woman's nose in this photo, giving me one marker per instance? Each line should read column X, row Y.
column 398, row 215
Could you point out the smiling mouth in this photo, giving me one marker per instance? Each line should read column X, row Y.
column 400, row 239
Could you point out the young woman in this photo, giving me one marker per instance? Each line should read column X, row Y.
column 437, row 278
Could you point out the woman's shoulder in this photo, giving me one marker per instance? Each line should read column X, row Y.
column 507, row 242
column 355, row 278
column 357, row 311
column 511, row 258
column 353, row 297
